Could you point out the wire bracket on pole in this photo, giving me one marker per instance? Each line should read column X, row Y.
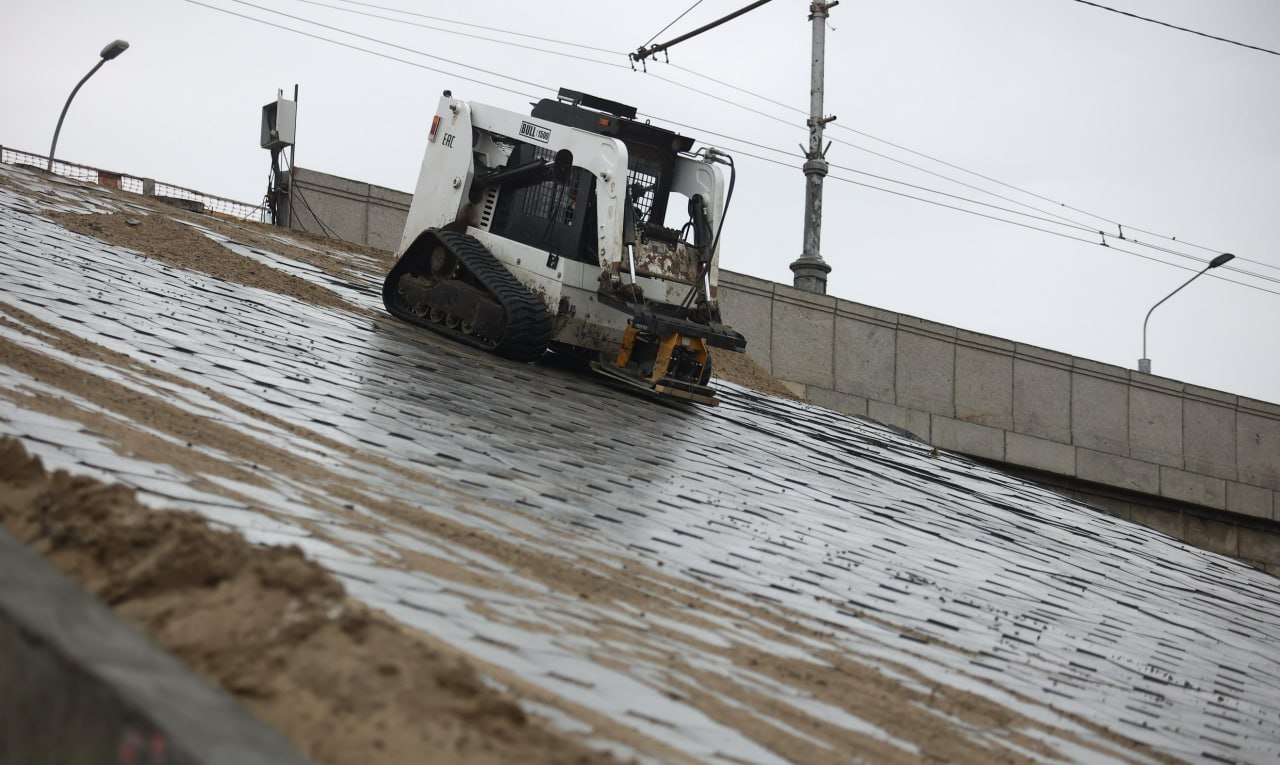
column 815, row 7
column 645, row 51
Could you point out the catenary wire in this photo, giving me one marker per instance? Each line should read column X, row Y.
column 379, row 54
column 1119, row 226
column 486, row 27
column 383, row 42
column 673, row 22
column 1079, row 227
column 1101, row 243
column 1062, row 220
column 839, row 126
column 874, row 153
column 1067, row 223
column 1159, row 248
column 762, row 113
column 1180, row 29
column 692, row 127
column 470, row 35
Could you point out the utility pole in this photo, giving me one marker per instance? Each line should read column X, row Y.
column 810, row 269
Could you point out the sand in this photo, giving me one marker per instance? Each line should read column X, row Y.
column 347, row 684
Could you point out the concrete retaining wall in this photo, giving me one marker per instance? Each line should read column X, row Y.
column 1179, row 446
column 79, row 686
column 349, row 210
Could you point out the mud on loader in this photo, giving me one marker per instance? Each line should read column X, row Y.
column 548, row 231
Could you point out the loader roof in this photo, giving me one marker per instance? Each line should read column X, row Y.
column 599, row 115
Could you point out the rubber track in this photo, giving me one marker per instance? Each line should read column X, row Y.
column 527, row 329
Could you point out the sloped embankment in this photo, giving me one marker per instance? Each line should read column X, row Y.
column 344, row 683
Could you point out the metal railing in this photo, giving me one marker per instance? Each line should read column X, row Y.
column 125, row 182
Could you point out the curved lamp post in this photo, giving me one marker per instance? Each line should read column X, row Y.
column 111, row 51
column 1144, row 363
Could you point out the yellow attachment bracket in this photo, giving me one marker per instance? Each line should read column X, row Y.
column 628, row 345
column 666, row 345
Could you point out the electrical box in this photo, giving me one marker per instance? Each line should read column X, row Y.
column 279, row 120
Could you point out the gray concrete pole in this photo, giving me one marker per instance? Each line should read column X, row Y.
column 810, row 269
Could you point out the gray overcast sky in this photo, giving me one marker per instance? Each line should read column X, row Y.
column 1143, row 125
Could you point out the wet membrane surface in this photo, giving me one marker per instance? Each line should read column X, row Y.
column 868, row 543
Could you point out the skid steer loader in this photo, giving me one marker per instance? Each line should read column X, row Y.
column 550, row 231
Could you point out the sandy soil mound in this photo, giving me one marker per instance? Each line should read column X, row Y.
column 741, row 369
column 345, row 684
column 178, row 244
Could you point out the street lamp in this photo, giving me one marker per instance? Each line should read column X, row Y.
column 111, row 51
column 1144, row 363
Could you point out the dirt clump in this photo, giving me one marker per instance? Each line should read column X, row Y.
column 741, row 369
column 347, row 685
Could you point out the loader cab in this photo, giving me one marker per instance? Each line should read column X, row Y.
column 652, row 150
column 561, row 217
column 557, row 217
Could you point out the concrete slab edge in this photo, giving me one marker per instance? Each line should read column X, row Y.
column 80, row 685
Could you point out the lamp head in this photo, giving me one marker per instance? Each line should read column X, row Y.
column 114, row 49
column 1223, row 258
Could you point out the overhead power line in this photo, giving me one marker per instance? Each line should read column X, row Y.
column 1180, row 29
column 1100, row 240
column 1070, row 224
column 379, row 54
column 841, row 127
column 866, row 150
column 1120, row 228
column 379, row 41
column 1098, row 243
column 509, row 43
column 486, row 27
column 673, row 22
column 1103, row 238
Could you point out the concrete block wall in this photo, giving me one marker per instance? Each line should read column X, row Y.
column 349, row 210
column 1017, row 404
column 79, row 685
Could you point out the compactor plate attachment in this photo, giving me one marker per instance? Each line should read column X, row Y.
column 672, row 365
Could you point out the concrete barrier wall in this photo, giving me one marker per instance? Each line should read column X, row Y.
column 1013, row 403
column 349, row 210
column 79, row 686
